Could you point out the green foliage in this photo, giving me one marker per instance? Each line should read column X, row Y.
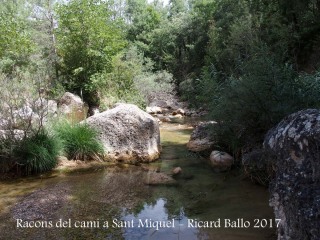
column 144, row 19
column 177, row 6
column 239, row 59
column 38, row 153
column 200, row 92
column 25, row 147
column 237, row 26
column 248, row 106
column 178, row 45
column 42, row 21
column 118, row 84
column 23, row 106
column 15, row 40
column 249, row 81
column 6, row 158
column 79, row 141
column 232, row 37
column 150, row 84
column 88, row 37
column 131, row 80
column 173, row 37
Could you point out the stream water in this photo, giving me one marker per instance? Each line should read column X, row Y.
column 114, row 203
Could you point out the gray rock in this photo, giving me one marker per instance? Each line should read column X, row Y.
column 72, row 107
column 163, row 118
column 93, row 110
column 176, row 171
column 12, row 134
column 159, row 103
column 221, row 161
column 179, row 111
column 70, row 99
column 256, row 167
column 128, row 133
column 25, row 113
column 201, row 139
column 24, row 118
column 3, row 123
column 45, row 106
column 293, row 146
column 154, row 110
column 158, row 178
column 167, row 101
column 52, row 107
column 29, row 116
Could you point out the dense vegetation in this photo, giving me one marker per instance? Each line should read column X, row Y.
column 249, row 62
column 79, row 141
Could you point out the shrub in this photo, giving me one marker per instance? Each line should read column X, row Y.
column 151, row 84
column 131, row 80
column 23, row 113
column 201, row 91
column 79, row 141
column 248, row 106
column 5, row 155
column 38, row 153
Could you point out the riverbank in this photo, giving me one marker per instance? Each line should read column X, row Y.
column 120, row 193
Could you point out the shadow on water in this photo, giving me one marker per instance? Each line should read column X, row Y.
column 118, row 205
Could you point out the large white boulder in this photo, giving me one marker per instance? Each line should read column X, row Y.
column 128, row 134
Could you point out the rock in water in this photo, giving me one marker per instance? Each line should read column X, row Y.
column 294, row 147
column 201, row 139
column 155, row 178
column 154, row 110
column 221, row 161
column 128, row 134
column 176, row 171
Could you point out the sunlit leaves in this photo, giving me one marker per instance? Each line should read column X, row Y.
column 88, row 37
column 15, row 40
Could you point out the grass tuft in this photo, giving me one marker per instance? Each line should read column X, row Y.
column 80, row 141
column 37, row 153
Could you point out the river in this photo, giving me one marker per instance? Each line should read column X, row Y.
column 114, row 202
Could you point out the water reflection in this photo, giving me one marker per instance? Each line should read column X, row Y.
column 120, row 193
column 153, row 222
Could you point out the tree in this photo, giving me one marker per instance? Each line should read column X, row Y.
column 176, row 7
column 88, row 37
column 142, row 18
column 15, row 42
column 43, row 23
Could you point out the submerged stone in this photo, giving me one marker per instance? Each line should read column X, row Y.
column 156, row 178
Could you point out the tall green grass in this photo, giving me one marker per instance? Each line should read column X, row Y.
column 6, row 161
column 37, row 153
column 79, row 141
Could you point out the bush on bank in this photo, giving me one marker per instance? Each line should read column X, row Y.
column 79, row 141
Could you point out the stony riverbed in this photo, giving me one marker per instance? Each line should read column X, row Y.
column 114, row 202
